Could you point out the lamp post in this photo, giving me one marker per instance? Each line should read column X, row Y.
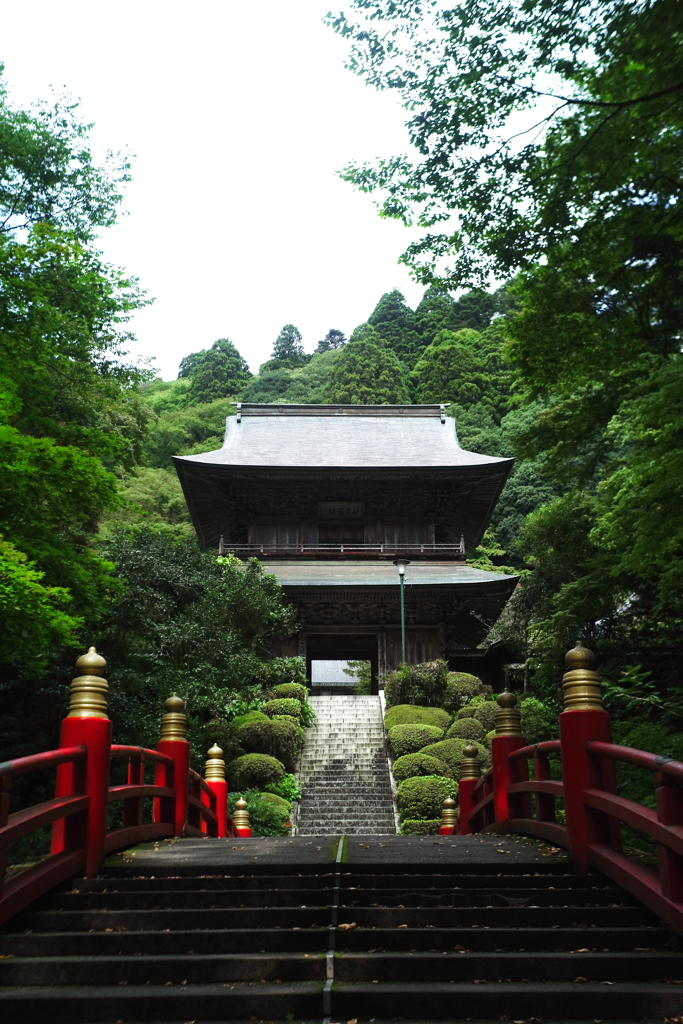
column 401, row 564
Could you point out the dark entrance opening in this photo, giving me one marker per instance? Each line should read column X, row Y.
column 343, row 647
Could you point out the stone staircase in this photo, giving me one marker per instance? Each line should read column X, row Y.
column 209, row 930
column 344, row 770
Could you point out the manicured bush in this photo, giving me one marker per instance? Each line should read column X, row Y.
column 276, row 737
column 251, row 716
column 410, row 827
column 451, row 751
column 254, row 771
column 408, row 739
column 281, row 805
column 284, row 706
column 423, row 684
column 412, row 714
column 466, row 729
column 291, row 691
column 412, row 766
column 467, row 711
column 460, row 688
column 486, row 714
column 423, row 798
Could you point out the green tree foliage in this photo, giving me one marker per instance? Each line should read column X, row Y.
column 288, row 350
column 474, row 311
column 334, row 339
column 467, row 368
column 394, row 321
column 585, row 209
column 303, row 385
column 217, row 372
column 367, row 372
column 188, row 622
column 70, row 408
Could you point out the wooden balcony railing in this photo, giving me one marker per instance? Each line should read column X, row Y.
column 347, row 550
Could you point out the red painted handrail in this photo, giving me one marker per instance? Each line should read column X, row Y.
column 32, row 882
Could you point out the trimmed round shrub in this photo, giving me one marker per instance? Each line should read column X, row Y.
column 466, row 729
column 423, row 798
column 284, row 706
column 467, row 711
column 291, row 691
column 411, row 714
column 408, row 739
column 281, row 805
column 410, row 827
column 486, row 714
column 275, row 736
column 451, row 751
column 412, row 766
column 254, row 771
column 460, row 688
column 251, row 716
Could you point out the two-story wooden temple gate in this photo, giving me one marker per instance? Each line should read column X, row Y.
column 329, row 496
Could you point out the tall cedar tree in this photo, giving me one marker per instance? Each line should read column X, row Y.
column 217, row 372
column 367, row 372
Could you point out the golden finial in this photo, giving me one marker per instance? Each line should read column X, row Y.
column 215, row 766
column 241, row 815
column 469, row 766
column 174, row 722
column 581, row 683
column 507, row 717
column 89, row 691
column 449, row 815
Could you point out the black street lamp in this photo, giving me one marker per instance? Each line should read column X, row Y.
column 401, row 563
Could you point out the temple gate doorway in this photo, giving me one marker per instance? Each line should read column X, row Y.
column 343, row 647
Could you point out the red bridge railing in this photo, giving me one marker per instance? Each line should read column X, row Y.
column 506, row 799
column 177, row 801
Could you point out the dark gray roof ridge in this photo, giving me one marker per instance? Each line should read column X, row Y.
column 338, row 409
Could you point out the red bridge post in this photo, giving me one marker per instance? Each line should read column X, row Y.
column 507, row 739
column 86, row 725
column 584, row 719
column 173, row 742
column 470, row 773
column 214, row 776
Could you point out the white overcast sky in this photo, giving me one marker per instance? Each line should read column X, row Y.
column 239, row 116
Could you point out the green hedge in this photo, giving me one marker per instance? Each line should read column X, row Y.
column 291, row 691
column 451, row 751
column 283, row 706
column 423, row 798
column 408, row 739
column 412, row 766
column 486, row 714
column 276, row 737
column 466, row 729
column 254, row 771
column 251, row 716
column 412, row 714
column 411, row 827
column 460, row 688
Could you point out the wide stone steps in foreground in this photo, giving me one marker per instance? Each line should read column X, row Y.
column 294, row 929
